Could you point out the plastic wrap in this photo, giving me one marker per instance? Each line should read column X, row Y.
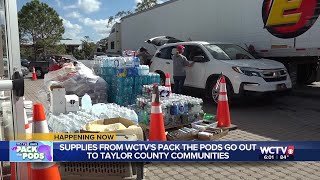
column 77, row 80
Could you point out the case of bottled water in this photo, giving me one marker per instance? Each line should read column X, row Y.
column 125, row 78
column 73, row 122
column 177, row 109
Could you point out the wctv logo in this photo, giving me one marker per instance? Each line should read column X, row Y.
column 277, row 150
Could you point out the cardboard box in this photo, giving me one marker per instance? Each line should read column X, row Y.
column 72, row 103
column 57, row 100
column 137, row 131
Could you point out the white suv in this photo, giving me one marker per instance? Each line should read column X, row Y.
column 244, row 73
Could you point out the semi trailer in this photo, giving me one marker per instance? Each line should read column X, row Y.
column 287, row 31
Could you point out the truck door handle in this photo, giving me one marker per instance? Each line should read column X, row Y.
column 167, row 63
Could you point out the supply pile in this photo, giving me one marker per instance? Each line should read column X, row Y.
column 73, row 121
column 177, row 109
column 125, row 78
column 78, row 80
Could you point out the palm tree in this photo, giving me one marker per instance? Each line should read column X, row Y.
column 145, row 4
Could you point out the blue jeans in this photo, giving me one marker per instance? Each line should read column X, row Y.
column 178, row 84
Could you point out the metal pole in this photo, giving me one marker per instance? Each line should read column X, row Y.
column 13, row 51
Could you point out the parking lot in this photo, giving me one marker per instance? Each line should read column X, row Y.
column 294, row 117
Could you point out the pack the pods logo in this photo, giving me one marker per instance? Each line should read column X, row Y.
column 289, row 18
column 25, row 151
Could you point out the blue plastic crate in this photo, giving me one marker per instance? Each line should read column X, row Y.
column 121, row 72
column 132, row 72
column 129, row 81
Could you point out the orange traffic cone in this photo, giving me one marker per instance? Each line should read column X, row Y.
column 42, row 171
column 168, row 83
column 157, row 130
column 34, row 75
column 223, row 113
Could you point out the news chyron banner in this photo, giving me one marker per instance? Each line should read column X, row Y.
column 138, row 151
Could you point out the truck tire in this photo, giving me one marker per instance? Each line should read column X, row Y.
column 213, row 94
column 312, row 75
column 307, row 73
column 39, row 73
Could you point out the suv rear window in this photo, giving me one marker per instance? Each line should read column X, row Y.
column 165, row 53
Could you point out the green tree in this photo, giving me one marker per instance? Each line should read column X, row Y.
column 145, row 4
column 110, row 21
column 58, row 49
column 78, row 54
column 88, row 48
column 119, row 15
column 40, row 25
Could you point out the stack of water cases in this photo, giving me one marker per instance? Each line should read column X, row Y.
column 177, row 109
column 125, row 78
column 73, row 121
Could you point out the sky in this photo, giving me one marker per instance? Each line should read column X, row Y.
column 87, row 17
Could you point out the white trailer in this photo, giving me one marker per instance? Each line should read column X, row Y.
column 283, row 30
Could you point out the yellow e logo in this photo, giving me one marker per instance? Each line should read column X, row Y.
column 276, row 15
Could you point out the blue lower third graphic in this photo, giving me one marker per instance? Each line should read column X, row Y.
column 31, row 151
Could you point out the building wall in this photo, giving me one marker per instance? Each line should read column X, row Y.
column 114, row 39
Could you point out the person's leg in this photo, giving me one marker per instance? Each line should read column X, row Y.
column 181, row 84
column 176, row 84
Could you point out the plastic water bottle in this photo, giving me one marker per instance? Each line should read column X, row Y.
column 174, row 110
column 129, row 62
column 181, row 108
column 136, row 62
column 186, row 107
column 145, row 117
column 86, row 103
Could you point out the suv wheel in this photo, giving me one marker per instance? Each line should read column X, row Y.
column 214, row 93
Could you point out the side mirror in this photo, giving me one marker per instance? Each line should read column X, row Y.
column 198, row 59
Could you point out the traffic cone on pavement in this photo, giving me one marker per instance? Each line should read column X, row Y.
column 34, row 75
column 41, row 170
column 168, row 83
column 223, row 113
column 157, row 129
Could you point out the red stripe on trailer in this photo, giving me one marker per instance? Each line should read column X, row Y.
column 301, row 49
